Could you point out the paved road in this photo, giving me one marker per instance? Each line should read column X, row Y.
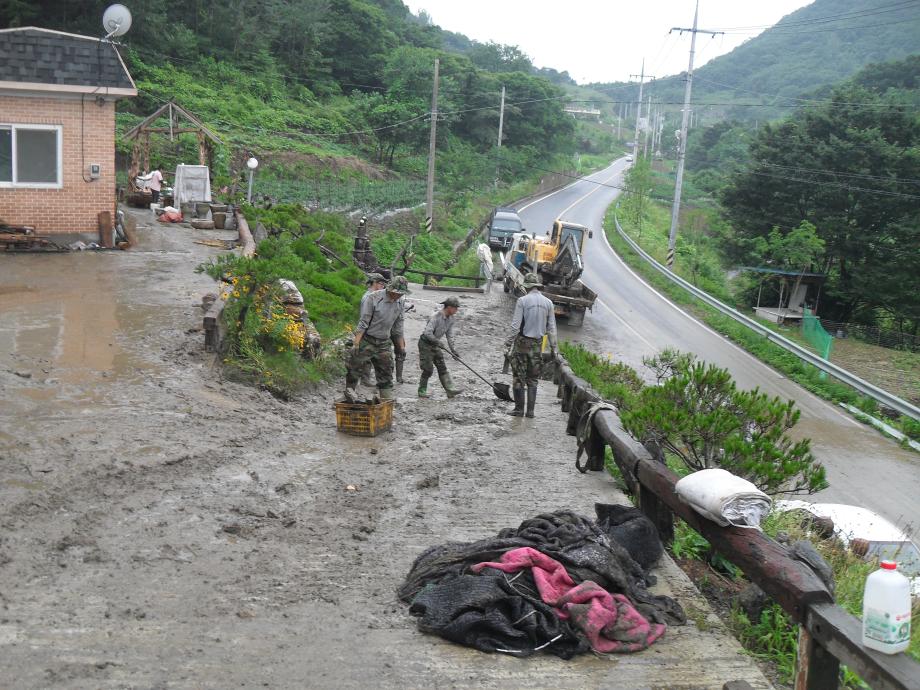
column 631, row 320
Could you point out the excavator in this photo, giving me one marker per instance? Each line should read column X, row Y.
column 558, row 261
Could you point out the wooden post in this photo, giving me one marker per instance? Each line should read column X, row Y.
column 146, row 152
column 596, row 451
column 106, row 229
column 571, row 426
column 566, row 397
column 651, row 506
column 816, row 668
column 202, row 151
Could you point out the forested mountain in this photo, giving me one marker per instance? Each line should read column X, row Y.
column 320, row 78
column 818, row 45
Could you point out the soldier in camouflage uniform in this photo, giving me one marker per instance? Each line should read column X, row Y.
column 374, row 282
column 534, row 317
column 430, row 352
column 381, row 319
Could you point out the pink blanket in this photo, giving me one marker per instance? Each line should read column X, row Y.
column 610, row 621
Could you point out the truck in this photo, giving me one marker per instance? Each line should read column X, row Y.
column 558, row 261
column 503, row 224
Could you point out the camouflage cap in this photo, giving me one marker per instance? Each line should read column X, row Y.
column 532, row 280
column 374, row 278
column 451, row 302
column 399, row 285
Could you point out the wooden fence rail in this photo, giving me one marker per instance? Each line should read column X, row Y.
column 828, row 635
column 428, row 275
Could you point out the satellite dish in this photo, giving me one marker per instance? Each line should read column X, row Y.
column 116, row 21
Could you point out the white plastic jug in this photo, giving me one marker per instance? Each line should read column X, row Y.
column 886, row 610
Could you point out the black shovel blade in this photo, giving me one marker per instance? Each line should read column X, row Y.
column 502, row 391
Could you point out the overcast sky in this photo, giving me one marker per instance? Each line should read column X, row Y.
column 596, row 41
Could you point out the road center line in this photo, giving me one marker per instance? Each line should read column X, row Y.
column 537, row 201
column 578, row 201
column 626, row 323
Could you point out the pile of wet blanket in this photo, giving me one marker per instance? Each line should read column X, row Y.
column 560, row 583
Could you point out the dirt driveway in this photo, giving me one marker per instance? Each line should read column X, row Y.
column 161, row 528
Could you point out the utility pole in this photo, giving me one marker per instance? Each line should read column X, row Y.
column 501, row 123
column 648, row 125
column 429, row 208
column 501, row 118
column 641, row 76
column 682, row 144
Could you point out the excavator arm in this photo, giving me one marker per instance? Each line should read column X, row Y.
column 567, row 266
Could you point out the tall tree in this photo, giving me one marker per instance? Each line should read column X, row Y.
column 850, row 167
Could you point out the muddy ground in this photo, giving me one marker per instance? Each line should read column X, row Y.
column 163, row 528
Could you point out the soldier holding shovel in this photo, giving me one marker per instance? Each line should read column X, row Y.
column 440, row 325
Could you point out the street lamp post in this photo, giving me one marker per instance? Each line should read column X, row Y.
column 252, row 164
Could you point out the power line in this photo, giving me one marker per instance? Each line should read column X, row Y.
column 879, row 178
column 865, row 12
column 827, row 183
column 819, row 31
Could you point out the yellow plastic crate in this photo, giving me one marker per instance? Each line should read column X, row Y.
column 362, row 419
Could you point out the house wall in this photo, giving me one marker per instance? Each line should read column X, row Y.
column 88, row 136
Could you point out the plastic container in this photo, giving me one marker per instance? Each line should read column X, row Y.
column 886, row 610
column 362, row 419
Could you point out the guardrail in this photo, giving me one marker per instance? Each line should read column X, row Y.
column 828, row 635
column 881, row 396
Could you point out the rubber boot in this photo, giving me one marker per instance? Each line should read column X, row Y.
column 518, row 410
column 448, row 384
column 386, row 393
column 423, row 387
column 531, row 400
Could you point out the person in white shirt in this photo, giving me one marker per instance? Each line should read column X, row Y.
column 534, row 317
column 154, row 182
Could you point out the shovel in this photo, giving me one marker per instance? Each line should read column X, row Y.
column 502, row 390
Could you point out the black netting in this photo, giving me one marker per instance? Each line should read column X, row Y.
column 497, row 612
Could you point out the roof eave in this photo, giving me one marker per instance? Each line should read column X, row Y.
column 67, row 88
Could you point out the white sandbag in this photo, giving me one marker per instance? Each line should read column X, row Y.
column 485, row 256
column 724, row 498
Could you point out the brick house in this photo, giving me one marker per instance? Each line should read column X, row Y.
column 57, row 128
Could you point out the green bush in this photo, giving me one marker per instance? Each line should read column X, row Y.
column 262, row 344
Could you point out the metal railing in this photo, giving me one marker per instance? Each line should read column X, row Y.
column 828, row 635
column 881, row 396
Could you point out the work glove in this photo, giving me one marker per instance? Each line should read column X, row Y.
column 547, row 357
column 454, row 354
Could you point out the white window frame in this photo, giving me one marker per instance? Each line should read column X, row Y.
column 60, row 157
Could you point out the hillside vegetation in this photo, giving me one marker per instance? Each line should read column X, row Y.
column 769, row 75
column 332, row 96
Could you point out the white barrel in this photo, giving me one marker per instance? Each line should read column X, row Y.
column 886, row 610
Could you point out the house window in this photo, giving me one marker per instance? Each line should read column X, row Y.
column 30, row 156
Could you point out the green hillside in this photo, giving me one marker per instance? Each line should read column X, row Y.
column 332, row 97
column 821, row 44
